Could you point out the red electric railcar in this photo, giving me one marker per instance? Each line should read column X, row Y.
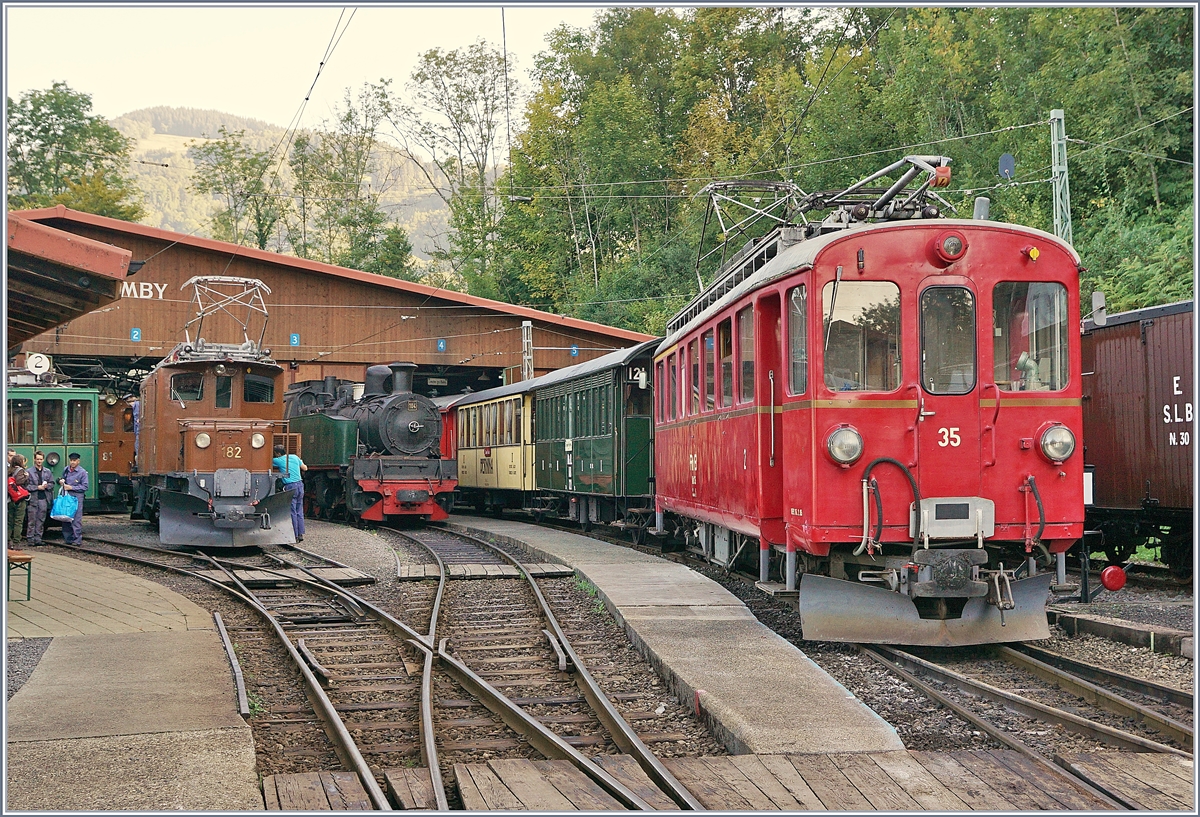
column 888, row 401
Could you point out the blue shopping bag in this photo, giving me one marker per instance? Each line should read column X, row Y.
column 64, row 507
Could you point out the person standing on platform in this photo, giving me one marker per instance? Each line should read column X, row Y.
column 41, row 494
column 75, row 480
column 291, row 467
column 18, row 477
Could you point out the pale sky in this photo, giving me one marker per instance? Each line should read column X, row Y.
column 252, row 61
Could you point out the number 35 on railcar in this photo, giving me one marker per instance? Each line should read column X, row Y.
column 885, row 405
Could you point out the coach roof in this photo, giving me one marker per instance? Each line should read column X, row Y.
column 803, row 254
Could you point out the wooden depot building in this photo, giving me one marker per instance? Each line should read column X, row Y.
column 323, row 319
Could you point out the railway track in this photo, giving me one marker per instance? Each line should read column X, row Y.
column 1044, row 706
column 372, row 680
column 499, row 636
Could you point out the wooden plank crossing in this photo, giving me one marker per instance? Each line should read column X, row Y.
column 315, row 791
column 539, row 570
column 345, row 576
column 981, row 780
column 410, row 789
column 996, row 780
column 1144, row 782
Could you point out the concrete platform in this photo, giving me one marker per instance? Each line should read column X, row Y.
column 132, row 707
column 758, row 693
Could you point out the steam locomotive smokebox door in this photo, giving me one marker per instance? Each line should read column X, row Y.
column 231, row 482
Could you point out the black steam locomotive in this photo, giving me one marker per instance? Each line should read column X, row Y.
column 373, row 449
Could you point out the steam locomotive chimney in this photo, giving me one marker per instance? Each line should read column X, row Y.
column 376, row 375
column 402, row 377
column 330, row 387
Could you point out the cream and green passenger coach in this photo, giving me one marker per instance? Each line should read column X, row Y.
column 575, row 444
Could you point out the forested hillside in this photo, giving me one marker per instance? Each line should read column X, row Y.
column 633, row 116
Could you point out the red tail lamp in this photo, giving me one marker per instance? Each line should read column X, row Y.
column 1112, row 577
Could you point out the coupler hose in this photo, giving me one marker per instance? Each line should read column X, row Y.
column 879, row 500
column 1037, row 537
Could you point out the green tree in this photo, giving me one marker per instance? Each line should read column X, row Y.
column 463, row 97
column 57, row 147
column 243, row 179
column 339, row 175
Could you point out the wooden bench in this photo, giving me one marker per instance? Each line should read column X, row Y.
column 20, row 560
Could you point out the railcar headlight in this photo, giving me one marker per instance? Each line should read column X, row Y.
column 257, row 440
column 1058, row 443
column 845, row 445
column 203, row 440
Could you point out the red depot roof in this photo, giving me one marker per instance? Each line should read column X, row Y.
column 55, row 276
column 61, row 213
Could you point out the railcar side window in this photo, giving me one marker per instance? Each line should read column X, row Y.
column 224, row 392
column 50, row 421
column 79, row 422
column 862, row 335
column 187, row 386
column 518, row 429
column 127, row 420
column 258, row 389
column 709, row 366
column 674, row 384
column 659, row 383
column 745, row 320
column 20, row 422
column 725, row 341
column 694, row 378
column 948, row 340
column 798, row 339
column 1030, row 351
column 108, row 423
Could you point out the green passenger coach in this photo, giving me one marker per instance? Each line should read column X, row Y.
column 586, row 456
column 58, row 420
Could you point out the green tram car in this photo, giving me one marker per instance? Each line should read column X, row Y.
column 59, row 420
column 574, row 444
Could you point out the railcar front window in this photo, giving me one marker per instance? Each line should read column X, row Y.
column 20, row 422
column 862, row 335
column 745, row 320
column 50, row 421
column 798, row 338
column 948, row 340
column 79, row 422
column 258, row 389
column 1030, row 351
column 187, row 386
column 725, row 342
column 224, row 392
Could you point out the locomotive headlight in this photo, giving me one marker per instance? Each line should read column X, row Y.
column 1058, row 443
column 203, row 440
column 845, row 445
column 257, row 440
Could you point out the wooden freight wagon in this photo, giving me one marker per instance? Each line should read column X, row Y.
column 1138, row 431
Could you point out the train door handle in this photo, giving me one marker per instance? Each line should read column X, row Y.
column 923, row 413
